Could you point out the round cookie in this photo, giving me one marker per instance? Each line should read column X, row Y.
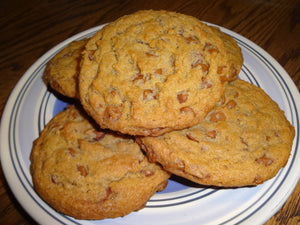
column 244, row 140
column 88, row 173
column 234, row 54
column 62, row 71
column 152, row 72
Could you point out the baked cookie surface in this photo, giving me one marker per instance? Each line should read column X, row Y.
column 152, row 72
column 234, row 54
column 244, row 140
column 62, row 71
column 88, row 173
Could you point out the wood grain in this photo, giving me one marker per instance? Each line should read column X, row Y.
column 28, row 29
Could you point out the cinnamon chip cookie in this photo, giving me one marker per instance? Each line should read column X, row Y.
column 244, row 140
column 152, row 72
column 234, row 54
column 88, row 173
column 62, row 71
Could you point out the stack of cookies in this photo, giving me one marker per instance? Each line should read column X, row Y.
column 159, row 94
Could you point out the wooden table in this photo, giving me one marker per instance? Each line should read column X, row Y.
column 29, row 28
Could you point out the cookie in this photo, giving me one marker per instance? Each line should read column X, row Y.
column 151, row 72
column 61, row 72
column 234, row 54
column 88, row 173
column 244, row 140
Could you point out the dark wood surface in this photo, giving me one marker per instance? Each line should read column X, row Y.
column 29, row 28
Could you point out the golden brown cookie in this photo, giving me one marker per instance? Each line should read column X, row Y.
column 244, row 140
column 152, row 72
column 88, row 173
column 234, row 54
column 62, row 71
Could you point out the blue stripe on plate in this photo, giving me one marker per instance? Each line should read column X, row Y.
column 182, row 202
column 250, row 76
column 12, row 139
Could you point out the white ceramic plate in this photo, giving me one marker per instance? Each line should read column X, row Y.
column 31, row 106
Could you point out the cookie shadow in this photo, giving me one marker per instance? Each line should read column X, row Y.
column 190, row 184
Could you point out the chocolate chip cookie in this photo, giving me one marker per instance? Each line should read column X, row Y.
column 234, row 54
column 244, row 140
column 88, row 173
column 62, row 71
column 151, row 72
